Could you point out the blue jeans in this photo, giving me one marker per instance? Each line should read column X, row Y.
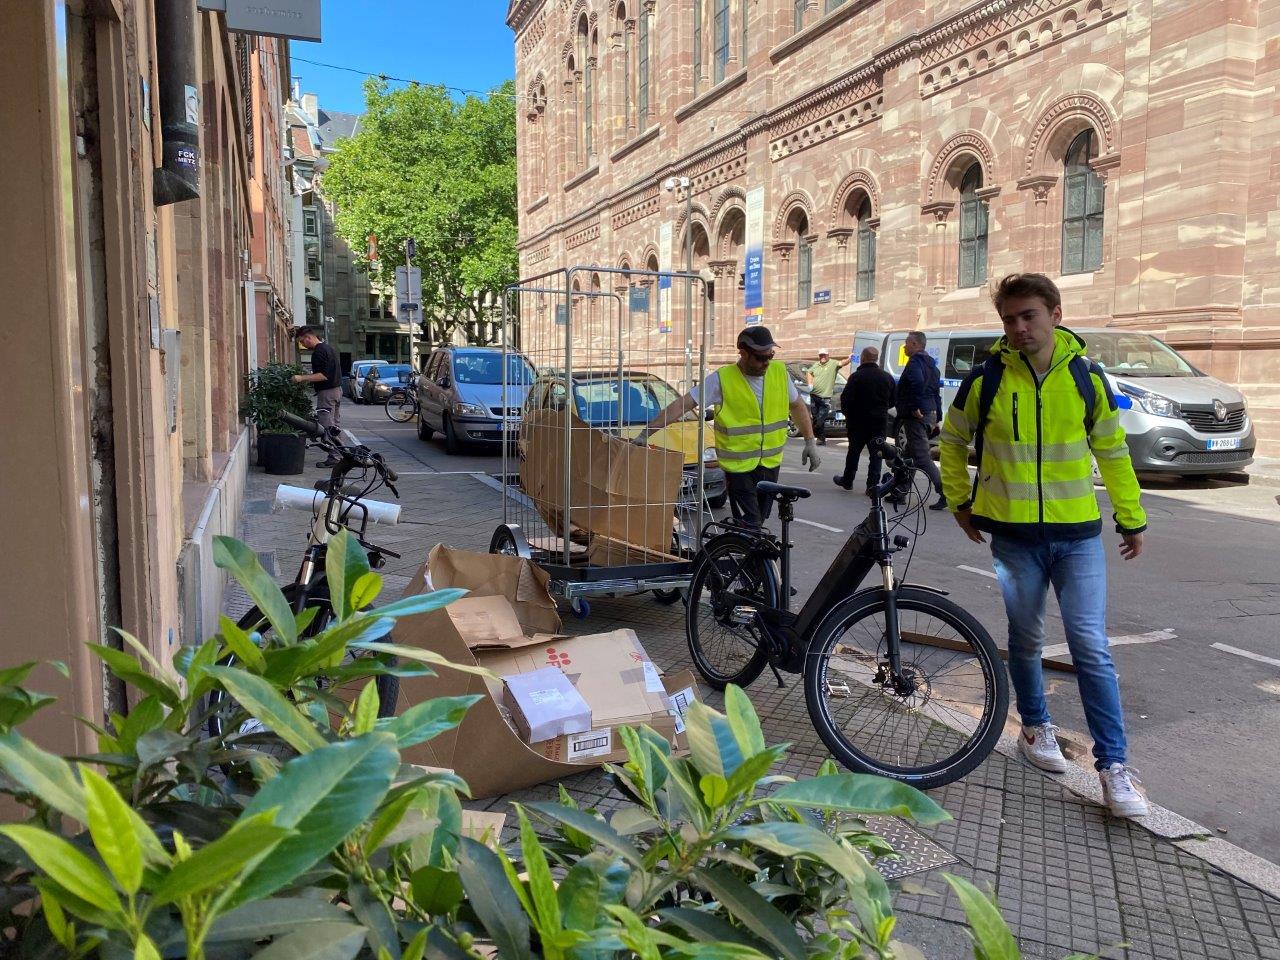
column 1077, row 570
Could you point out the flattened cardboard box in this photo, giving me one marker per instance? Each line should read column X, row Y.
column 483, row 749
column 616, row 489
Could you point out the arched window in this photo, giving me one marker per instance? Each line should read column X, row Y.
column 642, row 69
column 973, row 229
column 799, row 227
column 831, row 5
column 1082, row 200
column 720, row 39
column 866, row 253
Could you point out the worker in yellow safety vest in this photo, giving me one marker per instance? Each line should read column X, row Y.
column 752, row 399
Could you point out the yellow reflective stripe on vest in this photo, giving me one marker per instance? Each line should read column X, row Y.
column 751, row 433
column 750, row 430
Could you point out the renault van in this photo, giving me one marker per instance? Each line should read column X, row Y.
column 1177, row 419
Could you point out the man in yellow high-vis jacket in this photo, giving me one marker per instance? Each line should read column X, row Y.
column 1048, row 413
column 753, row 399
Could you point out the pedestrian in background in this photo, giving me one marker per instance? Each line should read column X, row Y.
column 865, row 403
column 1034, row 495
column 822, row 384
column 325, row 378
column 919, row 403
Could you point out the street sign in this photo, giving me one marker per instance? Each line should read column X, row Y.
column 409, row 286
column 562, row 314
column 639, row 300
column 822, row 296
column 294, row 19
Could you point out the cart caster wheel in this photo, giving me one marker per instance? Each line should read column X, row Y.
column 580, row 607
column 667, row 597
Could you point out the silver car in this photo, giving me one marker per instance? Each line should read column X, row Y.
column 355, row 379
column 460, row 394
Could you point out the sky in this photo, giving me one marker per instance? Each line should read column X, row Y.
column 462, row 43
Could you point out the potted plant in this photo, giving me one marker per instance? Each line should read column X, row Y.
column 270, row 391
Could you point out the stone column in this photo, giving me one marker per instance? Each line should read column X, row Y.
column 938, row 251
column 843, row 265
column 1036, row 229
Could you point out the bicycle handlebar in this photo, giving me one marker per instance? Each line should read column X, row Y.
column 304, row 425
column 900, row 467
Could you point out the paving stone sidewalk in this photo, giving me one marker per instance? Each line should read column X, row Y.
column 1068, row 877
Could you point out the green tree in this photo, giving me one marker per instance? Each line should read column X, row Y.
column 441, row 171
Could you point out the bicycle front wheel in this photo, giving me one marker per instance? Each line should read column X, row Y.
column 226, row 716
column 726, row 643
column 932, row 723
column 400, row 408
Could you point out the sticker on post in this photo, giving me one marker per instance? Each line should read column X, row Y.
column 593, row 743
column 652, row 679
column 680, row 701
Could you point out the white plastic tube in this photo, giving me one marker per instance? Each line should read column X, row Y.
column 300, row 498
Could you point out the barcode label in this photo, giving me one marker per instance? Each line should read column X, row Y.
column 593, row 743
column 680, row 701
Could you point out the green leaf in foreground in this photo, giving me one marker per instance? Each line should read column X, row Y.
column 991, row 937
column 271, row 707
column 324, row 796
column 860, row 793
column 493, row 900
column 65, row 866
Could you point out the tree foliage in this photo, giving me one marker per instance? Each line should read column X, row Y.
column 441, row 171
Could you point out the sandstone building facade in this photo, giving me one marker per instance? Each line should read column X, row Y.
column 910, row 151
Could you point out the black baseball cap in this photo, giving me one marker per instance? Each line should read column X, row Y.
column 756, row 339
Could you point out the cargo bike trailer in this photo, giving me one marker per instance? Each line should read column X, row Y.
column 590, row 354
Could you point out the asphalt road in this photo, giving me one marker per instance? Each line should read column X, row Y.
column 1195, row 623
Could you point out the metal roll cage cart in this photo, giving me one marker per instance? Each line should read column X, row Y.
column 605, row 359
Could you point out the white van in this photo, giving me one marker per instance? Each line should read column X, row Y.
column 1177, row 419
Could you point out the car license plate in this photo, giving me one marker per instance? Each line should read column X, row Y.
column 1223, row 443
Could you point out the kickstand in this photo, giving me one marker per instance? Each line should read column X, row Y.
column 776, row 675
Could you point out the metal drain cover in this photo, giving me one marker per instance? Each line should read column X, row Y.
column 914, row 852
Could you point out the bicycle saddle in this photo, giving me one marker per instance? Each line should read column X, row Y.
column 782, row 491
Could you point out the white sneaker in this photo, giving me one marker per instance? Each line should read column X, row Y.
column 1120, row 792
column 1039, row 744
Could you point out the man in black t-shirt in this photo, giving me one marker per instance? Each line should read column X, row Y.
column 325, row 377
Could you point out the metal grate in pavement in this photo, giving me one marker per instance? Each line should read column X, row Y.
column 914, row 852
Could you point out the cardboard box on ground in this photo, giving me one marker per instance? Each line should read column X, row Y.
column 622, row 498
column 508, row 624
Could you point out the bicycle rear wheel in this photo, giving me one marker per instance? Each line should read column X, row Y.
column 933, row 724
column 401, row 408
column 729, row 573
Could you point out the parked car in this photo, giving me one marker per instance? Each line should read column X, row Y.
column 354, row 382
column 1177, row 419
column 799, row 370
column 622, row 405
column 460, row 395
column 381, row 381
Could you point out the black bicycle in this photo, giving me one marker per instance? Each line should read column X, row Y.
column 899, row 680
column 340, row 503
column 402, row 404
